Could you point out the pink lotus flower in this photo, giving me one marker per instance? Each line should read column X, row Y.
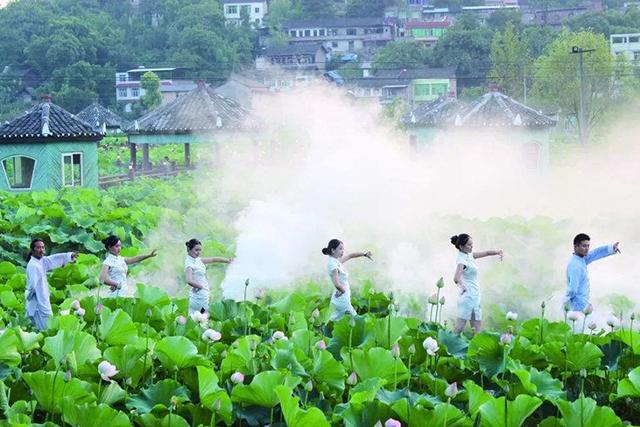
column 592, row 325
column 588, row 310
column 260, row 293
column 75, row 304
column 574, row 315
column 352, row 379
column 392, row 423
column 237, row 378
column 181, row 320
column 211, row 335
column 107, row 370
column 395, row 350
column 99, row 308
column 451, row 390
column 79, row 312
column 321, row 345
column 506, row 338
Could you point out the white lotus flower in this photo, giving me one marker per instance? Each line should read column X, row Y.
column 237, row 378
column 451, row 390
column 613, row 321
column 573, row 315
column 106, row 370
column 201, row 318
column 279, row 335
column 79, row 312
column 512, row 316
column 430, row 346
column 75, row 304
column 211, row 335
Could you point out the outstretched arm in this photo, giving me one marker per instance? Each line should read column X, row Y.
column 137, row 259
column 58, row 260
column 356, row 255
column 212, row 260
column 488, row 253
column 602, row 252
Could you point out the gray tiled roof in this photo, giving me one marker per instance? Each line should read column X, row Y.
column 333, row 23
column 199, row 110
column 47, row 122
column 95, row 114
column 293, row 49
column 433, row 113
column 495, row 109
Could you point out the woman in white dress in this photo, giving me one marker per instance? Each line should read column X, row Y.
column 196, row 273
column 466, row 277
column 341, row 298
column 115, row 267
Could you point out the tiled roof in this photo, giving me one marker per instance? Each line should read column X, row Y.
column 199, row 110
column 418, row 73
column 95, row 114
column 333, row 23
column 293, row 49
column 47, row 122
column 433, row 113
column 495, row 109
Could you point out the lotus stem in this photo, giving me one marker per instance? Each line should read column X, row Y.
column 446, row 413
column 541, row 324
column 350, row 350
column 409, row 379
column 437, row 304
column 213, row 418
column 389, row 329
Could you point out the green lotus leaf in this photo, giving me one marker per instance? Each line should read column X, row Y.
column 442, row 414
column 327, row 372
column 210, row 391
column 18, row 282
column 77, row 348
column 398, row 329
column 485, row 349
column 551, row 331
column 128, row 361
column 365, row 391
column 9, row 344
column 579, row 355
column 454, row 344
column 261, row 391
column 158, row 396
column 241, row 357
column 286, row 359
column 584, row 412
column 362, row 333
column 177, row 353
column 169, row 420
column 152, row 296
column 117, row 328
column 223, row 310
column 50, row 389
column 630, row 386
column 8, row 299
column 295, row 416
column 111, row 394
column 7, row 269
column 477, row 397
column 27, row 341
column 364, row 414
column 289, row 303
column 530, row 354
column 540, row 383
column 492, row 412
column 377, row 363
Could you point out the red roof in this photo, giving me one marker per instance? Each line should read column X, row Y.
column 429, row 24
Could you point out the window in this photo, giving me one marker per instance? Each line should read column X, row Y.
column 135, row 92
column 72, row 170
column 322, row 32
column 421, row 90
column 351, row 31
column 618, row 40
column 334, row 44
column 122, row 77
column 245, row 10
column 122, row 93
column 439, row 88
column 307, row 33
column 634, row 39
column 19, row 172
column 315, row 33
column 232, row 10
column 636, row 55
column 257, row 10
column 352, row 45
column 293, row 33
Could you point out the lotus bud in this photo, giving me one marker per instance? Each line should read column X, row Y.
column 352, row 379
column 181, row 320
column 395, row 350
column 321, row 345
column 174, row 402
column 430, row 346
column 442, row 300
column 433, row 299
column 79, row 312
column 128, row 381
column 573, row 315
column 223, row 354
column 352, row 321
column 211, row 336
column 592, row 326
column 392, row 423
column 64, row 312
column 543, row 305
column 148, row 312
column 512, row 316
column 588, row 310
column 506, row 338
column 372, row 291
column 106, row 370
column 391, row 296
column 75, row 304
column 451, row 390
column 279, row 335
column 260, row 293
column 246, row 283
column 566, row 306
column 633, row 316
column 67, row 376
column 613, row 321
column 315, row 314
column 308, row 386
column 583, row 373
column 99, row 308
column 440, row 283
column 216, row 405
column 253, row 345
column 237, row 378
column 412, row 349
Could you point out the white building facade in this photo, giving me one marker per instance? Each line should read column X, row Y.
column 627, row 45
column 254, row 10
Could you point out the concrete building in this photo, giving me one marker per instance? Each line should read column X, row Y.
column 174, row 81
column 254, row 11
column 627, row 45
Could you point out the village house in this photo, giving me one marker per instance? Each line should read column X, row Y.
column 427, row 33
column 102, row 119
column 341, row 34
column 48, row 147
column 253, row 11
column 174, row 81
column 287, row 66
column 627, row 45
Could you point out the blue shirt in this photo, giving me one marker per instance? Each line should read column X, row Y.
column 578, row 287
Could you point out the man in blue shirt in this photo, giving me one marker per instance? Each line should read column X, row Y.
column 578, row 288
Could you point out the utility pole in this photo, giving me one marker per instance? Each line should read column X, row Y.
column 581, row 118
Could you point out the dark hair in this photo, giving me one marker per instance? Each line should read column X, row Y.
column 460, row 240
column 110, row 241
column 333, row 245
column 579, row 238
column 33, row 246
column 192, row 244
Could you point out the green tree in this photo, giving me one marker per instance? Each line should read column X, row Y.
column 509, row 62
column 281, row 11
column 606, row 79
column 318, row 9
column 365, row 8
column 401, row 54
column 150, row 83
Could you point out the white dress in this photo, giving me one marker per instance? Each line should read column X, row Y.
column 469, row 302
column 36, row 296
column 117, row 273
column 198, row 298
column 342, row 304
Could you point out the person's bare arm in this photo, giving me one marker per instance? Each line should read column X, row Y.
column 335, row 278
column 355, row 255
column 104, row 278
column 457, row 278
column 190, row 281
column 137, row 259
column 212, row 260
column 488, row 253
